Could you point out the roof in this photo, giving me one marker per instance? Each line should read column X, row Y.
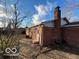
column 71, row 24
column 65, row 21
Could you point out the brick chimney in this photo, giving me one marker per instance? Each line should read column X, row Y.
column 57, row 15
column 57, row 23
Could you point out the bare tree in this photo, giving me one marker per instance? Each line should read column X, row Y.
column 17, row 18
column 10, row 38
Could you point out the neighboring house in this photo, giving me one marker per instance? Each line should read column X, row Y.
column 55, row 31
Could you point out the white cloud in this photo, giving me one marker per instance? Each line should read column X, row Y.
column 68, row 11
column 4, row 14
column 74, row 18
column 1, row 25
column 36, row 19
column 12, row 8
column 42, row 11
column 1, row 6
column 2, row 11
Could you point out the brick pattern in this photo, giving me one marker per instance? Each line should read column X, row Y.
column 49, row 35
column 71, row 36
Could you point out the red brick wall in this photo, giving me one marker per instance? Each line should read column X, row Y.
column 71, row 36
column 49, row 35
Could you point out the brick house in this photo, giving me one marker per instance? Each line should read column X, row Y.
column 55, row 31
